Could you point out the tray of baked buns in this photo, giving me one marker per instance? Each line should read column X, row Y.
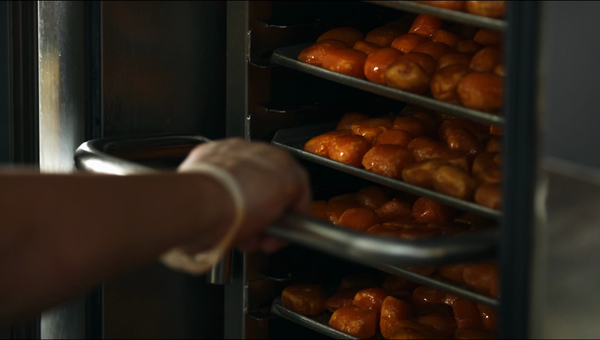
column 407, row 236
column 368, row 305
column 454, row 161
column 455, row 69
column 484, row 14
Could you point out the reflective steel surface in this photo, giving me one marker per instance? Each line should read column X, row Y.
column 564, row 299
column 163, row 66
column 61, row 107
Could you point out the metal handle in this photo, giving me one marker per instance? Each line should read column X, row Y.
column 99, row 156
column 95, row 156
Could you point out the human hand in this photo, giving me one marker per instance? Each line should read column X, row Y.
column 272, row 183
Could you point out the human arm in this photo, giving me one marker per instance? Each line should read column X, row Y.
column 62, row 234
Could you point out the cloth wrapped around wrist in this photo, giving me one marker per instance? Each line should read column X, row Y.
column 200, row 263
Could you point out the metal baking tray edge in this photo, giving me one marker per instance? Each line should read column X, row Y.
column 445, row 14
column 287, row 57
column 293, row 139
column 323, row 328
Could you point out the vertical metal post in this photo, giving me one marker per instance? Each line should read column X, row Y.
column 520, row 162
column 61, row 123
column 237, row 110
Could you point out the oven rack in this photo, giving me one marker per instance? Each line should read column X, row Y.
column 287, row 57
column 318, row 324
column 445, row 14
column 293, row 140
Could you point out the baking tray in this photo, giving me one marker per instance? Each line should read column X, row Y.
column 446, row 14
column 287, row 57
column 293, row 140
column 318, row 324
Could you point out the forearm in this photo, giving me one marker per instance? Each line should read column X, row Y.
column 60, row 235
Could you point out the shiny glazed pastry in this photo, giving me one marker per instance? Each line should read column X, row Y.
column 430, row 122
column 387, row 160
column 428, row 210
column 491, row 9
column 468, row 46
column 482, row 278
column 500, row 70
column 370, row 298
column 359, row 219
column 394, row 137
column 341, row 299
column 454, row 181
column 486, row 59
column 412, row 125
column 394, row 210
column 464, row 140
column 320, row 144
column 481, row 91
column 392, row 311
column 378, row 61
column 348, row 119
column 336, row 207
column 383, row 36
column 424, row 294
column 407, row 42
column 493, row 145
column 450, row 124
column 454, row 59
column 304, row 299
column 485, row 161
column 424, row 148
column 372, row 197
column 440, row 322
column 348, row 35
column 421, row 173
column 366, row 47
column 444, row 84
column 453, row 272
column 346, row 61
column 349, row 150
column 424, row 60
column 407, row 75
column 455, row 157
column 425, row 25
column 466, row 314
column 371, row 128
column 489, row 195
column 356, row 321
column 488, row 316
column 315, row 53
column 446, row 37
column 488, row 38
column 434, row 49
